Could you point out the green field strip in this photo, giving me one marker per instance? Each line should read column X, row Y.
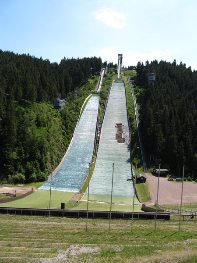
column 95, row 206
column 107, row 199
column 40, row 199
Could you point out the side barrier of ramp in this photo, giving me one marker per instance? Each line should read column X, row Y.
column 83, row 213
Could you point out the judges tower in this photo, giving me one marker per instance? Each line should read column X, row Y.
column 119, row 64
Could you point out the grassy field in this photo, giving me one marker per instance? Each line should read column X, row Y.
column 143, row 192
column 118, row 204
column 40, row 199
column 191, row 206
column 49, row 239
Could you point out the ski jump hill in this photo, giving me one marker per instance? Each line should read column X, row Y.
column 112, row 170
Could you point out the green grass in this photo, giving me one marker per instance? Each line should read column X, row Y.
column 106, row 206
column 107, row 198
column 84, row 104
column 88, row 178
column 34, row 184
column 143, row 192
column 102, row 203
column 28, row 239
column 40, row 199
column 184, row 206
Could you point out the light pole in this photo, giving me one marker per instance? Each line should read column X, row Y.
column 50, row 194
column 88, row 200
column 134, row 183
column 112, row 185
column 157, row 200
column 181, row 199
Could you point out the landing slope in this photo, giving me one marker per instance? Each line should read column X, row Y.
column 74, row 168
column 111, row 151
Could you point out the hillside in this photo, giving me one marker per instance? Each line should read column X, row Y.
column 33, row 135
column 49, row 239
column 168, row 115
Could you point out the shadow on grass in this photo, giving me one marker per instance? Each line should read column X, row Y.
column 174, row 233
column 149, row 233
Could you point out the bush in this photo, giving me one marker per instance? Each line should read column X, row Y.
column 41, row 177
column 32, row 178
column 18, row 178
column 189, row 179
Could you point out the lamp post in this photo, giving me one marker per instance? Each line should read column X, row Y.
column 112, row 185
column 181, row 199
column 134, row 183
column 157, row 200
column 50, row 193
column 88, row 200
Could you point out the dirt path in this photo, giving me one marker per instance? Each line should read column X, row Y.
column 15, row 190
column 170, row 191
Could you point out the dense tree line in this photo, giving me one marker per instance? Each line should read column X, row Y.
column 33, row 135
column 168, row 115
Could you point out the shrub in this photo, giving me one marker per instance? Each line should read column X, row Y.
column 18, row 178
column 41, row 177
column 189, row 179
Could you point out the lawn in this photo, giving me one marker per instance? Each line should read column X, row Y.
column 50, row 239
column 40, row 199
column 106, row 206
column 102, row 202
column 143, row 192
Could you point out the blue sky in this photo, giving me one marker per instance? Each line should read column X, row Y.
column 139, row 29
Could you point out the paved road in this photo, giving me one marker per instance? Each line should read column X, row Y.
column 170, row 191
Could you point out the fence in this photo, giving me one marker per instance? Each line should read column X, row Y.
column 83, row 213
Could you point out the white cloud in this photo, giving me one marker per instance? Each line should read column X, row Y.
column 111, row 18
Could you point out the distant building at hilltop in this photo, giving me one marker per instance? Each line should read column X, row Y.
column 59, row 104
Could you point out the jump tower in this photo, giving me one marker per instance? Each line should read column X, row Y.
column 119, row 64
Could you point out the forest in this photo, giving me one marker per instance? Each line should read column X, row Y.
column 168, row 115
column 33, row 134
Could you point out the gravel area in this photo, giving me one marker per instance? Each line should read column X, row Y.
column 170, row 191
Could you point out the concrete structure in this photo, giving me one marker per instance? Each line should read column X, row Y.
column 119, row 64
